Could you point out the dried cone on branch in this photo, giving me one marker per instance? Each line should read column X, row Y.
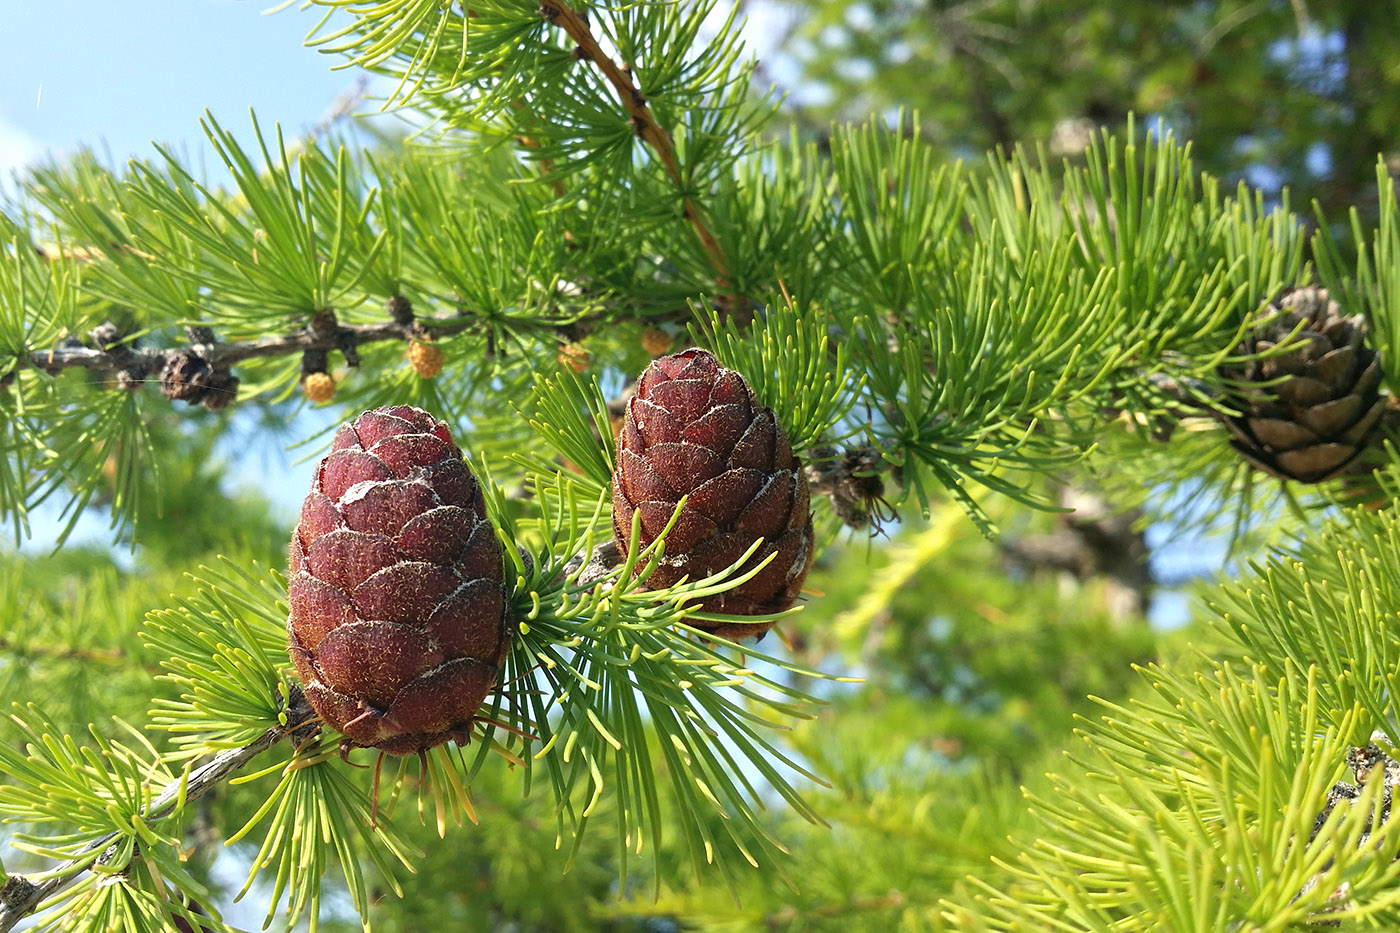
column 694, row 429
column 1306, row 414
column 398, row 610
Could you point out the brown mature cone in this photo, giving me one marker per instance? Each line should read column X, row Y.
column 694, row 429
column 398, row 608
column 1309, row 413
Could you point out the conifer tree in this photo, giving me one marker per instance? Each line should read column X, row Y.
column 839, row 334
column 1297, row 95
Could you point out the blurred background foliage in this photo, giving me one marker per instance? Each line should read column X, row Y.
column 1295, row 93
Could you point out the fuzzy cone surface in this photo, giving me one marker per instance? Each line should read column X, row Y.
column 694, row 428
column 1308, row 413
column 398, row 620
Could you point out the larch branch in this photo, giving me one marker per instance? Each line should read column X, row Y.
column 20, row 896
column 224, row 355
column 648, row 129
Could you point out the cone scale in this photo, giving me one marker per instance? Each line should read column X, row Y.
column 694, row 429
column 398, row 622
column 1307, row 414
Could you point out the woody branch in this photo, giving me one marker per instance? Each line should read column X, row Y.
column 20, row 896
column 648, row 129
column 200, row 371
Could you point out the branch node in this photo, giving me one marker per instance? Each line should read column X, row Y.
column 400, row 310
column 105, row 336
column 188, row 377
column 349, row 348
column 131, row 379
column 852, row 479
column 314, row 361
column 200, row 334
column 325, row 329
column 131, row 369
column 324, row 326
column 18, row 888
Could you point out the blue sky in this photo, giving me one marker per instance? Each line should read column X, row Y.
column 119, row 75
column 125, row 73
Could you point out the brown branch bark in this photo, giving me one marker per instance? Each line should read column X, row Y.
column 546, row 165
column 20, row 896
column 224, row 355
column 200, row 372
column 648, row 129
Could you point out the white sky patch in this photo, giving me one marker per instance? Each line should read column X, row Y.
column 17, row 149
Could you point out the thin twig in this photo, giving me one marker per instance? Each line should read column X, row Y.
column 546, row 165
column 224, row 355
column 136, row 364
column 21, row 896
column 648, row 129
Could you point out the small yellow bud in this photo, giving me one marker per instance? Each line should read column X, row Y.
column 574, row 356
column 656, row 341
column 426, row 358
column 319, row 387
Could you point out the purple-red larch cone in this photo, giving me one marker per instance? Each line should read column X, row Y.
column 398, row 621
column 695, row 429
